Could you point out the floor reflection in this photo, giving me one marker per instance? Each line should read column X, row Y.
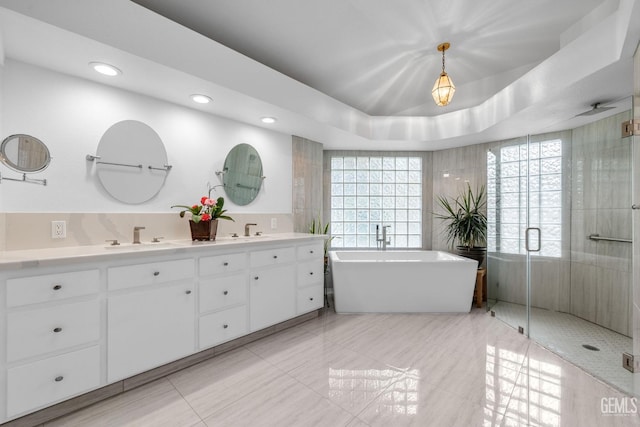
column 565, row 335
column 537, row 397
column 400, row 387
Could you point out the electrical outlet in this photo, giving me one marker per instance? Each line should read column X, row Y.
column 274, row 223
column 58, row 229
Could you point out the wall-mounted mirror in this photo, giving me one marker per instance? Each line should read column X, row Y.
column 242, row 174
column 24, row 153
column 131, row 162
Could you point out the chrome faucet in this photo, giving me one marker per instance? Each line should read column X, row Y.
column 136, row 234
column 246, row 228
column 384, row 239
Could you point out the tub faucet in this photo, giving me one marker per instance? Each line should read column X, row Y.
column 246, row 229
column 384, row 239
column 136, row 234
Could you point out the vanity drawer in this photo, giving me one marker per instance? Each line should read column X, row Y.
column 310, row 272
column 310, row 299
column 47, row 381
column 34, row 332
column 222, row 326
column 51, row 287
column 130, row 276
column 217, row 293
column 272, row 256
column 220, row 264
column 311, row 251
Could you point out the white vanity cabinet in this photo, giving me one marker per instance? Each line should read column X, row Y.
column 273, row 296
column 45, row 329
column 148, row 326
column 49, row 380
column 272, row 286
column 310, row 280
column 52, row 337
column 222, row 298
column 74, row 323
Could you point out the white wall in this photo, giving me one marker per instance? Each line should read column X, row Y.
column 70, row 115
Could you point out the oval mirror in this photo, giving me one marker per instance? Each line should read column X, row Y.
column 131, row 162
column 24, row 153
column 242, row 174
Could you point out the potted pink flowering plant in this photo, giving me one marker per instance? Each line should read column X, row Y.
column 204, row 217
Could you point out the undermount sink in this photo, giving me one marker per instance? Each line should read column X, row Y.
column 143, row 245
column 251, row 238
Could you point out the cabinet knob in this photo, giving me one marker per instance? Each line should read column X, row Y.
column 56, row 330
column 225, row 326
column 225, row 263
column 57, row 287
column 310, row 298
column 59, row 378
column 188, row 292
column 311, row 273
column 275, row 257
column 256, row 278
column 156, row 273
column 225, row 293
column 311, row 251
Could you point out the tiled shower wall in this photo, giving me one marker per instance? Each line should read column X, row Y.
column 307, row 183
column 452, row 170
column 600, row 204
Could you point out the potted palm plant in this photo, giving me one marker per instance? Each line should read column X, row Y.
column 465, row 223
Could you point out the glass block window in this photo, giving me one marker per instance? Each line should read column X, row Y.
column 368, row 191
column 507, row 197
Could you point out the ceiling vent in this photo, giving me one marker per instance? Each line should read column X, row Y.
column 595, row 110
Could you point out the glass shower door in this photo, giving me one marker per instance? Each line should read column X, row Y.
column 507, row 290
column 580, row 279
column 559, row 243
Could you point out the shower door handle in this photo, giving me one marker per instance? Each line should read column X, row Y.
column 526, row 239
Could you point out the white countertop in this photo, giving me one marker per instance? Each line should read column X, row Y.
column 50, row 257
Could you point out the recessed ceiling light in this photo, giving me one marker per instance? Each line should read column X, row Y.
column 269, row 120
column 105, row 69
column 201, row 99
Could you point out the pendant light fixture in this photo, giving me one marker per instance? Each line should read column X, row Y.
column 443, row 89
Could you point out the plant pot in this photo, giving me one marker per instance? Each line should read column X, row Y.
column 204, row 230
column 478, row 253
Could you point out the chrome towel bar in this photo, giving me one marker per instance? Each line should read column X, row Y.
column 92, row 158
column 597, row 237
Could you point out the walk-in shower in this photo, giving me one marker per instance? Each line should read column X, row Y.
column 559, row 246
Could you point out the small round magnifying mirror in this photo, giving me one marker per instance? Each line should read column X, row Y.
column 24, row 153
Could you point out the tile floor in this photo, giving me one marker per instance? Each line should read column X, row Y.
column 375, row 370
column 565, row 334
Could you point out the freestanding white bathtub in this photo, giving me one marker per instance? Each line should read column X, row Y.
column 402, row 282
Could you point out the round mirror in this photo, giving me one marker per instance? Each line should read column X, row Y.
column 242, row 174
column 24, row 153
column 131, row 162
